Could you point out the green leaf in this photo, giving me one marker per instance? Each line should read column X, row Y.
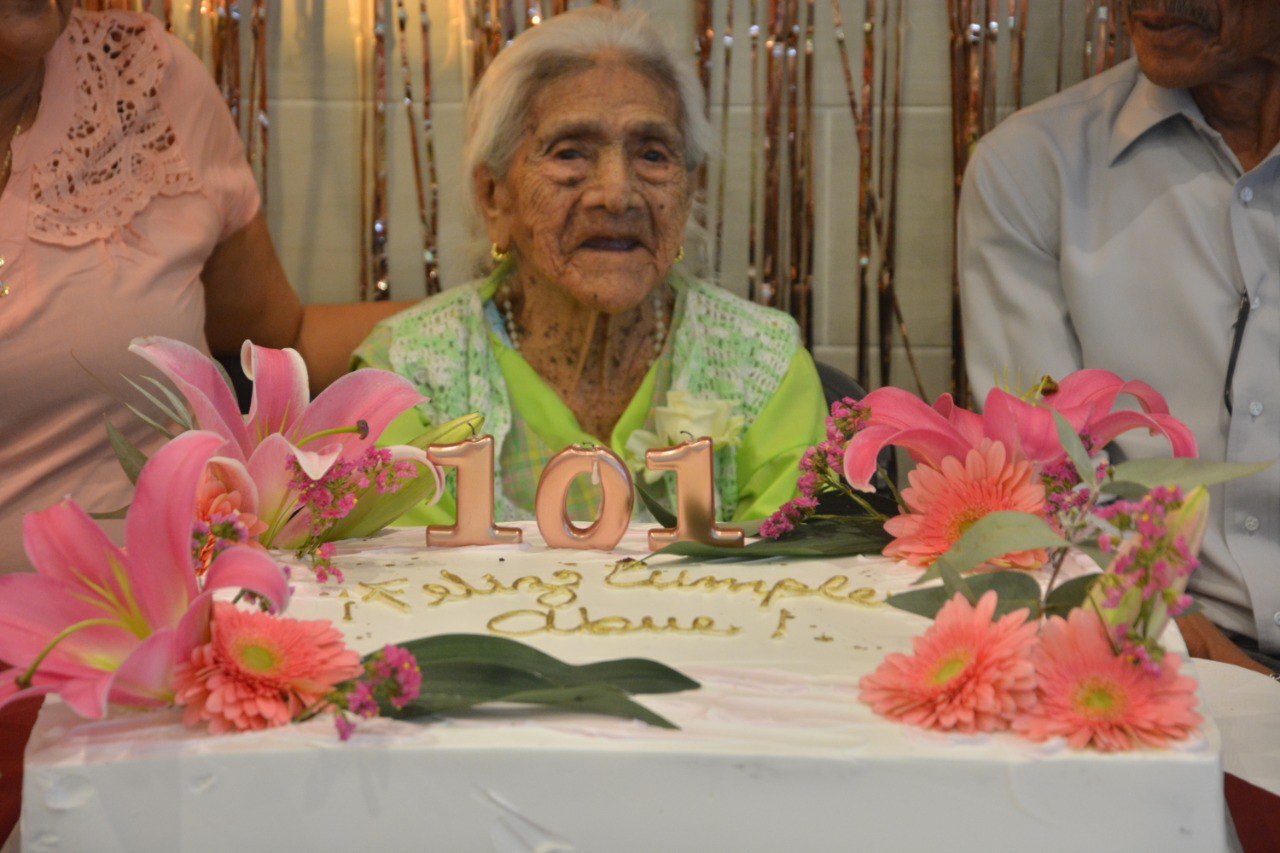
column 1070, row 595
column 450, row 432
column 111, row 515
column 952, row 582
column 659, row 511
column 226, row 377
column 1093, row 552
column 825, row 537
column 461, row 671
column 1015, row 591
column 180, row 418
column 177, row 403
column 1071, row 443
column 1126, row 490
column 995, row 535
column 373, row 511
column 1186, row 474
column 149, row 421
column 131, row 458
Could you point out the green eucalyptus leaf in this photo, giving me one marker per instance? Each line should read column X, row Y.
column 1071, row 443
column 1093, row 552
column 1186, row 474
column 1126, row 490
column 661, row 514
column 130, row 457
column 1067, row 596
column 825, row 537
column 1015, row 590
column 1000, row 533
column 951, row 579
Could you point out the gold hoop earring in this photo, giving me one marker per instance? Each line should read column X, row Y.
column 680, row 254
column 497, row 254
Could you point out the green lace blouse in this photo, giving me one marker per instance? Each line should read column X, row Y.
column 721, row 348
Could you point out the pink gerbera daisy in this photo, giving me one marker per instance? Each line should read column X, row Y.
column 1090, row 696
column 259, row 671
column 968, row 673
column 944, row 502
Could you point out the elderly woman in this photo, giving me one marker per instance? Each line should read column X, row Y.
column 584, row 137
column 126, row 209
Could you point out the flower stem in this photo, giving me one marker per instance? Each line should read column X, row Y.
column 25, row 680
column 361, row 429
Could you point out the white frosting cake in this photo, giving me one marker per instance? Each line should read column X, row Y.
column 773, row 752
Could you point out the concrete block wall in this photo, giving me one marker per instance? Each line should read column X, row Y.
column 315, row 53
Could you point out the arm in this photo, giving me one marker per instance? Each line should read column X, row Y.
column 248, row 297
column 1205, row 641
column 1017, row 323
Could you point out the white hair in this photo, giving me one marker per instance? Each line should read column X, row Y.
column 498, row 112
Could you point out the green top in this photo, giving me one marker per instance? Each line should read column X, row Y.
column 718, row 343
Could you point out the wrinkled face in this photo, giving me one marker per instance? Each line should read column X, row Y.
column 596, row 197
column 28, row 29
column 1186, row 43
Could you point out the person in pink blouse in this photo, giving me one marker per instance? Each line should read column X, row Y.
column 126, row 209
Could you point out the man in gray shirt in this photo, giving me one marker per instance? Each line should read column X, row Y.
column 1132, row 223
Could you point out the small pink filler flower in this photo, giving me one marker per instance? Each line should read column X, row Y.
column 260, row 671
column 944, row 502
column 968, row 673
column 1091, row 697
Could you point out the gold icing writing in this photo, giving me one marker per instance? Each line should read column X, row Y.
column 382, row 591
column 832, row 589
column 346, row 610
column 522, row 623
column 784, row 616
column 561, row 591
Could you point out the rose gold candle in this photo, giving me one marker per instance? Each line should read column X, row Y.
column 604, row 467
column 695, row 497
column 474, row 525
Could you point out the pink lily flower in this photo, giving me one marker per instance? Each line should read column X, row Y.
column 931, row 434
column 341, row 423
column 97, row 624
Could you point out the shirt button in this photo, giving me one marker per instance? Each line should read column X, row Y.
column 1255, row 303
column 1255, row 408
column 1246, row 195
column 1276, row 619
column 1251, row 523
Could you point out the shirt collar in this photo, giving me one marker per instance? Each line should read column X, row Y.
column 1147, row 106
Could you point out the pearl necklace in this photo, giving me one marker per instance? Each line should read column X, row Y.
column 503, row 299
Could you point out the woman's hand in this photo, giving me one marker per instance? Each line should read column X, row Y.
column 247, row 296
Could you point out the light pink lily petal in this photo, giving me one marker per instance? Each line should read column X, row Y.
column 64, row 544
column 375, row 396
column 144, row 680
column 1027, row 430
column 10, row 692
column 193, row 629
column 967, row 423
column 157, row 528
column 406, row 453
column 898, row 408
column 929, row 445
column 198, row 379
column 294, row 533
column 248, row 568
column 35, row 609
column 270, row 469
column 87, row 696
column 280, row 392
column 1180, row 438
column 235, row 477
column 1100, row 388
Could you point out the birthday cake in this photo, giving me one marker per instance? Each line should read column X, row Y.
column 773, row 751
